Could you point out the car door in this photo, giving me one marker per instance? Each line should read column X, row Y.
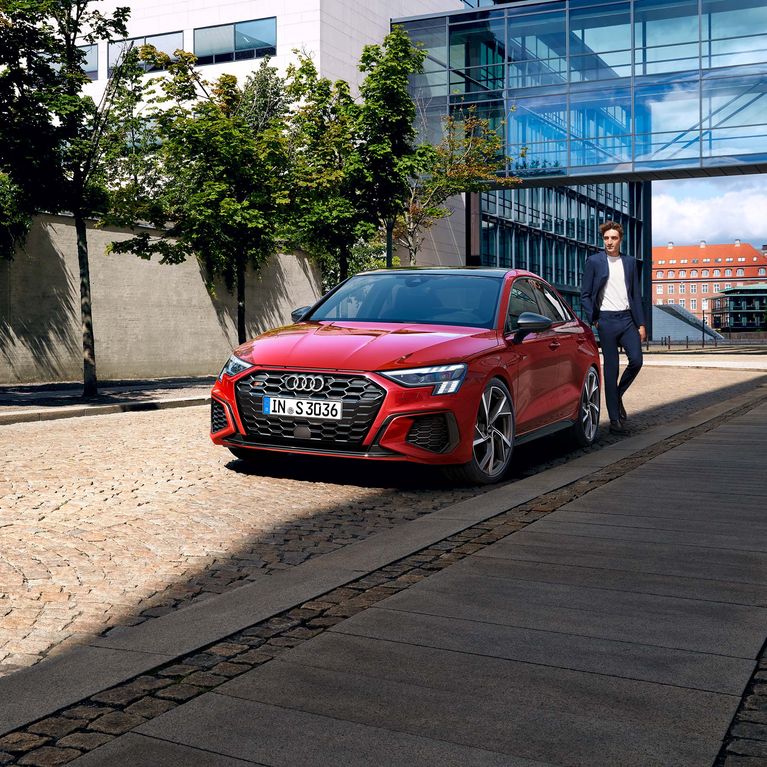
column 564, row 334
column 536, row 379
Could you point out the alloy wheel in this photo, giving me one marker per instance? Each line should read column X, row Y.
column 590, row 405
column 494, row 431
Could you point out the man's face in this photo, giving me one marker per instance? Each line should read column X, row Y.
column 612, row 242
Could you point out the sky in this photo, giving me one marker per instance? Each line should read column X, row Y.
column 717, row 210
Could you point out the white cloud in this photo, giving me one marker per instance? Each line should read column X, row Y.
column 713, row 211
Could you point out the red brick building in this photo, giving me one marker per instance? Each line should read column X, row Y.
column 691, row 275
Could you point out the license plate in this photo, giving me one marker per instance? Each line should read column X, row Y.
column 329, row 410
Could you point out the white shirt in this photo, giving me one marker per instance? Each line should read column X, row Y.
column 615, row 297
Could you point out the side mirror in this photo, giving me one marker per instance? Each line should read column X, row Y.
column 530, row 322
column 296, row 314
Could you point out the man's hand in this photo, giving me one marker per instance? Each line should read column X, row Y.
column 642, row 333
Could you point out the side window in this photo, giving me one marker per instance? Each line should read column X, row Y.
column 550, row 305
column 522, row 299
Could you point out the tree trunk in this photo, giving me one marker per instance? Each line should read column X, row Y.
column 343, row 265
column 389, row 242
column 90, row 383
column 241, row 338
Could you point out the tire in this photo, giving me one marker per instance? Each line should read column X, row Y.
column 493, row 438
column 586, row 426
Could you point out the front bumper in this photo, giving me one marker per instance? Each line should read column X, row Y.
column 381, row 420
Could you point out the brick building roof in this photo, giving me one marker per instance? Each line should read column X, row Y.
column 708, row 253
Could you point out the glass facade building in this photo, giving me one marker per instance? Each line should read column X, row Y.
column 598, row 97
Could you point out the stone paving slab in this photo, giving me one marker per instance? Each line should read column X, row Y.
column 286, row 737
column 630, row 660
column 141, row 751
column 739, row 566
column 650, row 530
column 695, row 625
column 739, row 505
column 479, row 702
column 663, row 584
column 671, row 522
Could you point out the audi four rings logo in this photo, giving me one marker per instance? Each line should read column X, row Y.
column 305, row 383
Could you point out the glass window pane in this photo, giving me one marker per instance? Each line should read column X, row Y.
column 605, row 112
column 665, row 22
column 118, row 49
column 733, row 18
column 666, row 107
column 91, row 61
column 604, row 67
column 735, row 51
column 536, row 36
column 601, row 29
column 210, row 41
column 432, row 35
column 261, row 33
column 169, row 43
column 729, row 103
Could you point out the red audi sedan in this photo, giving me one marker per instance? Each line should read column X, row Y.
column 451, row 367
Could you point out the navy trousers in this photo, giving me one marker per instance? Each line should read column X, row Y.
column 618, row 329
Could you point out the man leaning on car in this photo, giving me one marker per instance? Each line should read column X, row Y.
column 612, row 302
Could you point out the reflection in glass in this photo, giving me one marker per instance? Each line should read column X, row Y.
column 601, row 29
column 603, row 112
column 91, row 62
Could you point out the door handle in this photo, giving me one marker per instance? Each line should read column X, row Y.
column 554, row 345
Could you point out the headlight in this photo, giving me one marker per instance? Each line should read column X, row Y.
column 234, row 365
column 446, row 379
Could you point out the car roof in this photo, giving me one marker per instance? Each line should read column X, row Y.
column 474, row 271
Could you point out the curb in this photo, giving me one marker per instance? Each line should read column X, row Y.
column 77, row 411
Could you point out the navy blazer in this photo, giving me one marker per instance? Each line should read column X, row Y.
column 595, row 274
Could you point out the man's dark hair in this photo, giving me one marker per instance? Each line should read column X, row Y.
column 611, row 225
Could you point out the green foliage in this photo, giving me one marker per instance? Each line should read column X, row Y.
column 328, row 207
column 387, row 117
column 469, row 158
column 364, row 256
column 208, row 169
column 347, row 153
column 15, row 219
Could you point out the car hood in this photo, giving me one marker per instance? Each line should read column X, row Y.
column 354, row 346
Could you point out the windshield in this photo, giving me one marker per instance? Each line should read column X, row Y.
column 434, row 299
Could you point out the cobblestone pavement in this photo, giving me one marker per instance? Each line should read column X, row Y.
column 116, row 519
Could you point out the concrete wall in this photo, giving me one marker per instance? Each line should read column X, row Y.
column 150, row 320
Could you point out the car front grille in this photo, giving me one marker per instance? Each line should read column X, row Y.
column 430, row 432
column 361, row 398
column 217, row 417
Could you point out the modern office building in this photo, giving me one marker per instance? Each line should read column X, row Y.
column 741, row 309
column 590, row 92
column 690, row 276
column 594, row 100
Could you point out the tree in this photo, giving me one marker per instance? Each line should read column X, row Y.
column 212, row 175
column 328, row 215
column 347, row 153
column 387, row 125
column 467, row 159
column 43, row 81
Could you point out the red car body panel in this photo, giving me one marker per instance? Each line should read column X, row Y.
column 544, row 373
